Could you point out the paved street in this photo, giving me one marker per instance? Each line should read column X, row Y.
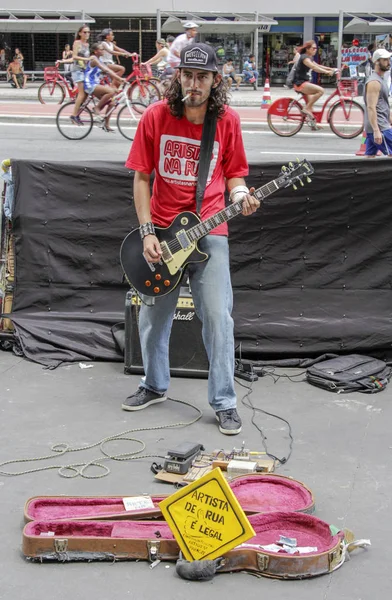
column 42, row 140
column 341, row 450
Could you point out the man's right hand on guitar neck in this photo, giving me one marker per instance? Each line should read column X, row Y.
column 152, row 251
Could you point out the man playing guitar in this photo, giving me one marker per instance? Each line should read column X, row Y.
column 168, row 141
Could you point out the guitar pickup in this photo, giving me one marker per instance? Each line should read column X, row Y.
column 183, row 239
column 166, row 254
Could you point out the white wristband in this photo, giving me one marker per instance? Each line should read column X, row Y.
column 238, row 192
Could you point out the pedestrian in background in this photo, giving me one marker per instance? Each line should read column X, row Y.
column 19, row 56
column 16, row 74
column 249, row 71
column 377, row 112
column 67, row 55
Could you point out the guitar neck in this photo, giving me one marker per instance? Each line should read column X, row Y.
column 235, row 208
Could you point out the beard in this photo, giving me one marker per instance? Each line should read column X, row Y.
column 385, row 68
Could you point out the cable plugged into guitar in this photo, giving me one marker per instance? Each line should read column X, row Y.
column 244, row 371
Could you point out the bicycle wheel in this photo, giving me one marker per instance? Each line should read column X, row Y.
column 51, row 92
column 127, row 122
column 285, row 117
column 346, row 118
column 70, row 130
column 144, row 92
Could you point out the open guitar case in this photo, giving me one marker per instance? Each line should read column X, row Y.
column 77, row 528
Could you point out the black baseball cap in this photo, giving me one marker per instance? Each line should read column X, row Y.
column 198, row 56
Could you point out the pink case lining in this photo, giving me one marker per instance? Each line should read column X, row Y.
column 306, row 529
column 259, row 493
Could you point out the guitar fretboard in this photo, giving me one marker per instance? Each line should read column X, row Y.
column 235, row 208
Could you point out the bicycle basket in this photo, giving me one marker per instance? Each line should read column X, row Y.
column 348, row 87
column 51, row 73
column 146, row 70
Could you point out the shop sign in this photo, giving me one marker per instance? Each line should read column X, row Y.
column 354, row 55
column 264, row 28
column 206, row 518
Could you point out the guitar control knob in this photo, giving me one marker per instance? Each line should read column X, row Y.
column 158, row 276
column 147, row 283
column 166, row 282
column 157, row 290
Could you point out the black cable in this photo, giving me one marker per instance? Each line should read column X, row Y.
column 263, row 372
column 255, row 410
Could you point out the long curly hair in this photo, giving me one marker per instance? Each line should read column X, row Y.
column 216, row 100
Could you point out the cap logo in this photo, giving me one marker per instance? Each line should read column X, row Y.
column 196, row 56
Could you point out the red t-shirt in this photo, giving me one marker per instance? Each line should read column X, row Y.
column 171, row 146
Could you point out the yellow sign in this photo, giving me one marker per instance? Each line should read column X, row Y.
column 206, row 518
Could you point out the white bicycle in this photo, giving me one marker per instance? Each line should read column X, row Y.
column 128, row 116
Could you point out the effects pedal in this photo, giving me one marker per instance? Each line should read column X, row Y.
column 180, row 459
column 244, row 371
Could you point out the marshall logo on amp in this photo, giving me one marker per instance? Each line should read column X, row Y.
column 188, row 316
column 196, row 56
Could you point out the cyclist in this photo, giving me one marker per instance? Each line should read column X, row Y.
column 301, row 77
column 180, row 42
column 110, row 50
column 81, row 56
column 160, row 59
column 92, row 85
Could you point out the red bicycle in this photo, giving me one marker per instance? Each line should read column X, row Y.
column 55, row 87
column 142, row 89
column 345, row 116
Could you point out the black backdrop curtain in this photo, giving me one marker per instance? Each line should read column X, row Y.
column 311, row 269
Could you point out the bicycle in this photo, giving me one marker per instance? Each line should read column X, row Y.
column 55, row 87
column 144, row 88
column 126, row 118
column 345, row 116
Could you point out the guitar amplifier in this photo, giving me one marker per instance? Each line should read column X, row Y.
column 187, row 354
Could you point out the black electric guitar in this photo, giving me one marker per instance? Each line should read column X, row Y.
column 179, row 240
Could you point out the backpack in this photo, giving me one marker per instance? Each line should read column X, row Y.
column 352, row 373
column 290, row 77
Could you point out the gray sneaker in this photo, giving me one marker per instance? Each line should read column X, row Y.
column 141, row 399
column 229, row 421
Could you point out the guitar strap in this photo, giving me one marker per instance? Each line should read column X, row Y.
column 206, row 147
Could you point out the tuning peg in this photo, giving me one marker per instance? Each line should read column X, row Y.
column 294, row 187
column 308, row 180
column 291, row 165
column 297, row 160
column 301, row 182
column 284, row 168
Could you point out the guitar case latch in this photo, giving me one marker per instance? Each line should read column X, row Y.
column 262, row 561
column 153, row 550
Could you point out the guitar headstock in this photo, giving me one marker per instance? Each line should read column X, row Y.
column 295, row 172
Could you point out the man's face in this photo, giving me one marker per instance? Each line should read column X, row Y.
column 191, row 33
column 384, row 63
column 198, row 83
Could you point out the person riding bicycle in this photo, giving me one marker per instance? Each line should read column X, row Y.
column 301, row 77
column 93, row 87
column 180, row 42
column 110, row 50
column 160, row 59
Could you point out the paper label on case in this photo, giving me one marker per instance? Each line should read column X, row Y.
column 138, row 503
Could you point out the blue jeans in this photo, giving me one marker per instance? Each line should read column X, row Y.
column 213, row 298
